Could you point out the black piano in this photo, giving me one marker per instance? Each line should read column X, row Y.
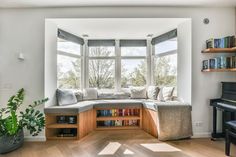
column 226, row 104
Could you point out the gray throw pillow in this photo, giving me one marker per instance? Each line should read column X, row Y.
column 138, row 92
column 65, row 97
column 90, row 94
column 121, row 95
column 105, row 95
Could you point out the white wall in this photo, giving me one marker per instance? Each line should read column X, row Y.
column 184, row 67
column 50, row 66
column 22, row 30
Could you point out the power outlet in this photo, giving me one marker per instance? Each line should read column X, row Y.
column 198, row 124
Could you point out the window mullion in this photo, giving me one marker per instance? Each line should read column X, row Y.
column 117, row 66
column 149, row 62
column 86, row 66
column 82, row 67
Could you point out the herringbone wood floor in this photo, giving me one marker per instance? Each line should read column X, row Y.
column 130, row 140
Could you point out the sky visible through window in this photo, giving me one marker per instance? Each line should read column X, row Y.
column 127, row 51
column 166, row 46
column 68, row 47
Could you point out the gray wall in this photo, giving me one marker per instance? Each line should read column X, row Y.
column 22, row 30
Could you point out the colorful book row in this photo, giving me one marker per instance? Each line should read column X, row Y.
column 110, row 123
column 226, row 42
column 117, row 112
column 219, row 63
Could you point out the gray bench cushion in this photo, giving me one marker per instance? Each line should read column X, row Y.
column 71, row 109
column 121, row 103
column 57, row 109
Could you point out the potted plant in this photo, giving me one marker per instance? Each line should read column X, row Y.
column 12, row 125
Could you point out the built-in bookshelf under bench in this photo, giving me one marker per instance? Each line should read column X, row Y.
column 62, row 126
column 118, row 118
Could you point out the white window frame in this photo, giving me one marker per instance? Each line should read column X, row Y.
column 134, row 58
column 86, row 64
column 154, row 56
column 67, row 54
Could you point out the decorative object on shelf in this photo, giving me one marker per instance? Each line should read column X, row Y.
column 66, row 119
column 61, row 119
column 205, row 64
column 72, row 119
column 11, row 125
column 67, row 132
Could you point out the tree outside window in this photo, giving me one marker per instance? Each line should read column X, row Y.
column 102, row 71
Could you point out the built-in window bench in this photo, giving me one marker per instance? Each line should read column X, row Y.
column 76, row 121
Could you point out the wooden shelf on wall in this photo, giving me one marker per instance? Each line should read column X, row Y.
column 220, row 70
column 220, row 50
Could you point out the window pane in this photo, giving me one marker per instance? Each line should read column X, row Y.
column 133, row 72
column 68, row 72
column 69, row 47
column 133, row 51
column 165, row 73
column 101, row 73
column 166, row 46
column 102, row 51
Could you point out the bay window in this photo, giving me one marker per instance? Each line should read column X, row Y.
column 109, row 64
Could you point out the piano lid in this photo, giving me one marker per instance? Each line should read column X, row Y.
column 229, row 91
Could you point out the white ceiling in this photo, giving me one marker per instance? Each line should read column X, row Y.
column 74, row 3
column 118, row 28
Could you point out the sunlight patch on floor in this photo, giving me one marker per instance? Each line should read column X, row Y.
column 110, row 149
column 160, row 147
column 128, row 152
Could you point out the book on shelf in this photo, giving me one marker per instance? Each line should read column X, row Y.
column 233, row 62
column 221, row 62
column 226, row 42
column 113, row 123
column 212, row 63
column 205, row 64
column 117, row 112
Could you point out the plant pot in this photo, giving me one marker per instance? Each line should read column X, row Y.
column 10, row 143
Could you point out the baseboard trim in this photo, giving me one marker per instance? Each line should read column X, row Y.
column 35, row 139
column 202, row 135
column 43, row 138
